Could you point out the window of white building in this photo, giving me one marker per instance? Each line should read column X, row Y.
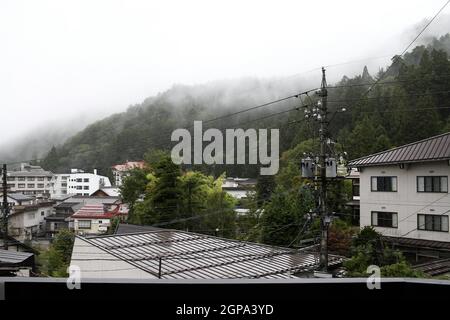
column 385, row 219
column 432, row 222
column 432, row 184
column 384, row 184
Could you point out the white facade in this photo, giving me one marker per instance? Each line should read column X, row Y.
column 60, row 182
column 78, row 183
column 29, row 220
column 408, row 200
column 30, row 180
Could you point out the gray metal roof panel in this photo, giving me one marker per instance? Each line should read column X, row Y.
column 13, row 257
column 193, row 256
column 431, row 149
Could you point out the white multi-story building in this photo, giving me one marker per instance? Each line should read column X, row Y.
column 78, row 182
column 30, row 180
column 404, row 192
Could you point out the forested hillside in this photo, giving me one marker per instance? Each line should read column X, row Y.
column 411, row 102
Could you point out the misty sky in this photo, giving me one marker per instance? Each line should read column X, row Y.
column 63, row 59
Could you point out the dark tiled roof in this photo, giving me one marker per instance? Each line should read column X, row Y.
column 431, row 149
column 426, row 244
column 434, row 268
column 187, row 255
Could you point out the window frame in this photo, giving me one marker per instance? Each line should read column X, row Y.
column 85, row 228
column 432, row 216
column 393, row 226
column 371, row 184
column 432, row 184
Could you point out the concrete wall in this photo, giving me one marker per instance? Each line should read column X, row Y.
column 96, row 263
column 407, row 202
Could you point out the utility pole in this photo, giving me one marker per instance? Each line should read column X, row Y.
column 323, row 133
column 5, row 207
column 321, row 167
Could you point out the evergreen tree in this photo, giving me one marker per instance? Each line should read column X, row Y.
column 167, row 193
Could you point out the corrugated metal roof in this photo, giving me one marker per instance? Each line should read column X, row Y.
column 13, row 257
column 186, row 255
column 430, row 149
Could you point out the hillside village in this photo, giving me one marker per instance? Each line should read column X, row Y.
column 400, row 193
column 387, row 193
column 332, row 182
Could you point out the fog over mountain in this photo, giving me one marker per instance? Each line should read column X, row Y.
column 64, row 71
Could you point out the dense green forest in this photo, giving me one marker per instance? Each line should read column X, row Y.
column 410, row 102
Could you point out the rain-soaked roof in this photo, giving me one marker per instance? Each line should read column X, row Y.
column 432, row 149
column 187, row 255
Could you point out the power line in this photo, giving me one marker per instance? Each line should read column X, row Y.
column 416, row 228
column 424, row 28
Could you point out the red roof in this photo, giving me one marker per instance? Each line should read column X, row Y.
column 129, row 165
column 95, row 211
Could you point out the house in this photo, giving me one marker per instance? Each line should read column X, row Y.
column 95, row 219
column 120, row 171
column 61, row 217
column 404, row 195
column 30, row 180
column 174, row 254
column 19, row 199
column 78, row 182
column 28, row 221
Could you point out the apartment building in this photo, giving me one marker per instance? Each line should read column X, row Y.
column 404, row 192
